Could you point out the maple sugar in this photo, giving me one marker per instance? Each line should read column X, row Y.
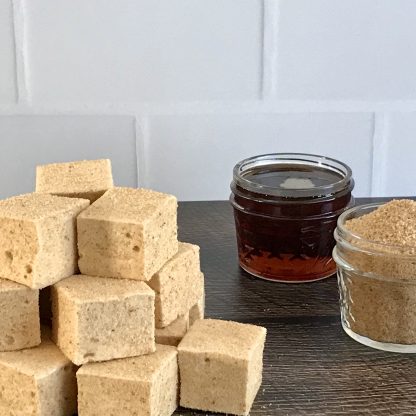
column 376, row 258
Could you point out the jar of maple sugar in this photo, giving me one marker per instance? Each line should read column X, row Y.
column 376, row 258
column 286, row 207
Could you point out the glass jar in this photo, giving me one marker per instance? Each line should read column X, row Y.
column 286, row 207
column 377, row 285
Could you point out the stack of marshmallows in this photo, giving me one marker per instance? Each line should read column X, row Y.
column 127, row 333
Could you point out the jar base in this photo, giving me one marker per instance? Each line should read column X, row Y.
column 383, row 346
column 285, row 279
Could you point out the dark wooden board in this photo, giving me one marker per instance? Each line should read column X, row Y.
column 311, row 367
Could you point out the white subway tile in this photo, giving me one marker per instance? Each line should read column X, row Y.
column 355, row 49
column 26, row 141
column 7, row 55
column 144, row 50
column 193, row 156
column 399, row 167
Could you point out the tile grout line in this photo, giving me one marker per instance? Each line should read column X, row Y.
column 142, row 133
column 372, row 155
column 379, row 153
column 270, row 48
column 136, row 147
column 19, row 26
column 207, row 107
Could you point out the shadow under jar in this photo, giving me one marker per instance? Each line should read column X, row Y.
column 286, row 208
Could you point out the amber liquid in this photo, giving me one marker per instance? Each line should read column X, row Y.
column 288, row 239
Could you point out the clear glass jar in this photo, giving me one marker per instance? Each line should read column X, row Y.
column 377, row 285
column 286, row 206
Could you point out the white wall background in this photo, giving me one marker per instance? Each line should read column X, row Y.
column 175, row 92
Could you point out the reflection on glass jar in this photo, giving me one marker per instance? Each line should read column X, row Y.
column 286, row 207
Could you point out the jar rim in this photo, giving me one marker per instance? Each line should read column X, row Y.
column 305, row 159
column 376, row 246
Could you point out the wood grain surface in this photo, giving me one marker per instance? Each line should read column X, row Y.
column 311, row 367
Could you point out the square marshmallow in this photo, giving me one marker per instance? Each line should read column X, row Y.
column 221, row 365
column 198, row 310
column 19, row 323
column 179, row 285
column 37, row 381
column 173, row 333
column 87, row 179
column 100, row 319
column 127, row 233
column 146, row 385
column 38, row 238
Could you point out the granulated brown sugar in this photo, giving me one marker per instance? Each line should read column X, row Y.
column 386, row 246
column 378, row 295
column 393, row 223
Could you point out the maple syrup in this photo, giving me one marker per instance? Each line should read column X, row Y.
column 286, row 208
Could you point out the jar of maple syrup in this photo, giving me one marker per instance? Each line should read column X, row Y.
column 286, row 207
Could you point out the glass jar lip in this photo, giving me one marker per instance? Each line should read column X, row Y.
column 294, row 158
column 376, row 246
